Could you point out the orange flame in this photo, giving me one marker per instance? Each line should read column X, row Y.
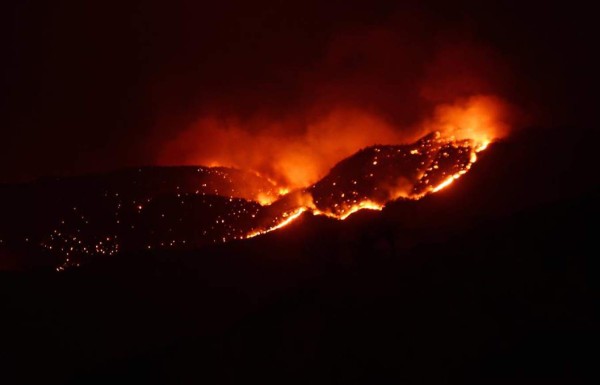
column 364, row 205
column 287, row 218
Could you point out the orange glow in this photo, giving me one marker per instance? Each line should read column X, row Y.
column 367, row 205
column 287, row 218
column 445, row 183
column 293, row 155
column 483, row 146
column 265, row 199
column 481, row 118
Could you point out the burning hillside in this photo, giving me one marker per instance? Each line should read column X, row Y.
column 185, row 208
column 379, row 174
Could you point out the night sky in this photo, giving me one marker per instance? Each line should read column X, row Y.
column 98, row 86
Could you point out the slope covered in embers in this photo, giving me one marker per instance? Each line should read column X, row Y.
column 74, row 218
column 379, row 174
column 31, row 208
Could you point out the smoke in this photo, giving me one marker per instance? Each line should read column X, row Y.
column 482, row 118
column 292, row 160
column 386, row 85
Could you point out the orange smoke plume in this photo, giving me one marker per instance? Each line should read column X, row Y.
column 298, row 160
column 481, row 118
column 292, row 161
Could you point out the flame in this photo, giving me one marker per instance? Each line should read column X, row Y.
column 482, row 147
column 265, row 199
column 287, row 218
column 364, row 205
column 445, row 183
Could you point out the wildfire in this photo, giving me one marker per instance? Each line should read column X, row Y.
column 388, row 173
column 189, row 207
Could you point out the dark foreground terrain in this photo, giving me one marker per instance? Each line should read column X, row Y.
column 488, row 282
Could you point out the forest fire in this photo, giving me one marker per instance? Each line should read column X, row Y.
column 188, row 207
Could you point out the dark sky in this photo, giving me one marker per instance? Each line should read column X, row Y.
column 90, row 86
